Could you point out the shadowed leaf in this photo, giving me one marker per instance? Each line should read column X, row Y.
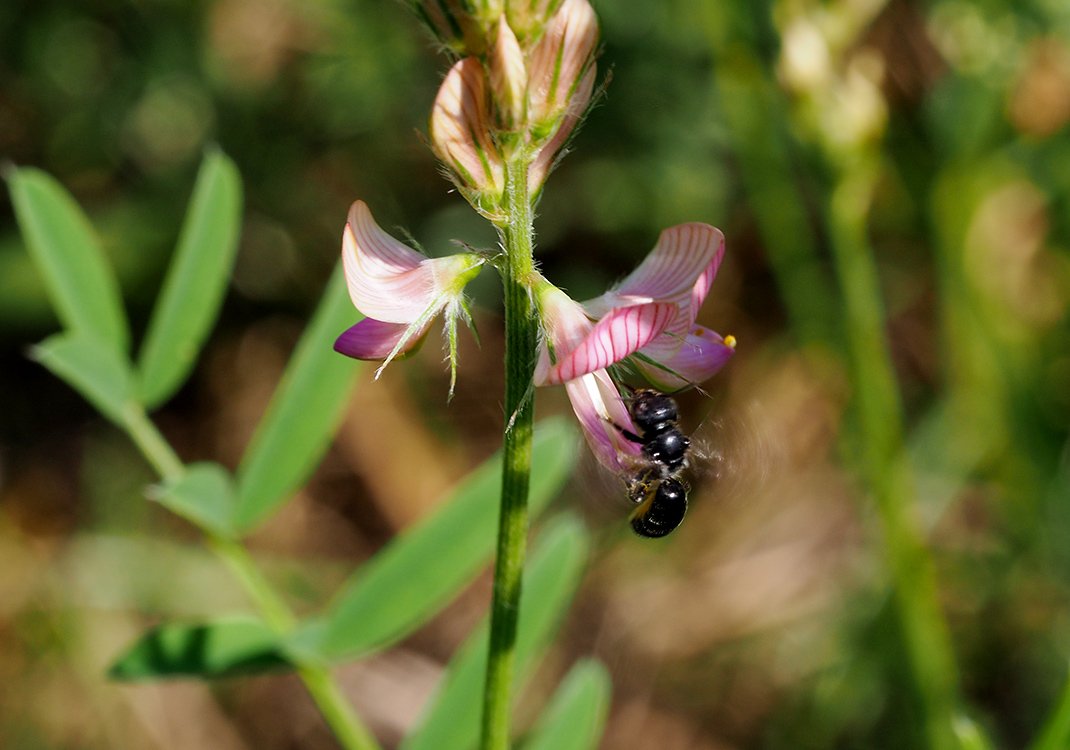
column 226, row 647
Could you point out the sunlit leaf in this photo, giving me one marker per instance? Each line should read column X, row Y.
column 79, row 280
column 551, row 578
column 576, row 716
column 203, row 494
column 307, row 407
column 225, row 647
column 94, row 369
column 409, row 581
column 193, row 289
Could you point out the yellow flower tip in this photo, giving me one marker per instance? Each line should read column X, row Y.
column 730, row 341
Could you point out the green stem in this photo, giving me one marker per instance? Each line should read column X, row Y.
column 929, row 655
column 151, row 443
column 521, row 336
column 337, row 712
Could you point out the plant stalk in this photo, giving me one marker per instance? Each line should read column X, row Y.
column 929, row 655
column 321, row 685
column 521, row 336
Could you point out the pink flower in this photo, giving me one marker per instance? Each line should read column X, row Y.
column 649, row 317
column 399, row 291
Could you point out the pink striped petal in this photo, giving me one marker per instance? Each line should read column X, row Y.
column 617, row 335
column 694, row 359
column 680, row 269
column 598, row 406
column 373, row 339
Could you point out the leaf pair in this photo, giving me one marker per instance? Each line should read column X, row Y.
column 92, row 354
column 86, row 295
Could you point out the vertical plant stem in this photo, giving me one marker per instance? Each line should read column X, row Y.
column 521, row 332
column 929, row 655
column 337, row 712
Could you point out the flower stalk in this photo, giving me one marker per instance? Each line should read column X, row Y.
column 499, row 124
column 521, row 340
column 928, row 645
column 321, row 685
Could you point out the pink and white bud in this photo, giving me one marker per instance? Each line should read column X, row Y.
column 547, row 154
column 508, row 78
column 559, row 63
column 460, row 134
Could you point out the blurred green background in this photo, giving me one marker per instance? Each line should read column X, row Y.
column 765, row 621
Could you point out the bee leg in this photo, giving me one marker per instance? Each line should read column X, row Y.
column 628, row 434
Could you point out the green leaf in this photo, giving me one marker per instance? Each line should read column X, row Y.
column 307, row 407
column 232, row 646
column 80, row 283
column 94, row 369
column 576, row 716
column 193, row 290
column 550, row 580
column 203, row 494
column 408, row 582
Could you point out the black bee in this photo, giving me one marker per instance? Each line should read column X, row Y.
column 656, row 487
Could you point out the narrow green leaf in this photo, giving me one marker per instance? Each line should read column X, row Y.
column 80, row 283
column 203, row 494
column 303, row 414
column 195, row 284
column 94, row 369
column 409, row 581
column 1056, row 732
column 222, row 648
column 576, row 716
column 551, row 578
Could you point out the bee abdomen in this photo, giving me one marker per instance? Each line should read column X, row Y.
column 663, row 510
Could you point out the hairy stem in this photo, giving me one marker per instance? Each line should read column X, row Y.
column 339, row 715
column 929, row 655
column 521, row 335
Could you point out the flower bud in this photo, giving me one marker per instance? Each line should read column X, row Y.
column 528, row 17
column 452, row 23
column 560, row 61
column 461, row 138
column 508, row 78
column 547, row 155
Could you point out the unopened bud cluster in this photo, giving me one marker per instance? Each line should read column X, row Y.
column 523, row 81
